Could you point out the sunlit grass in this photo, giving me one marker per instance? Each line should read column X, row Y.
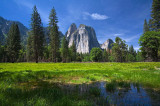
column 145, row 73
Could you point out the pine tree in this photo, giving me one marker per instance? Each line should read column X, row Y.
column 150, row 25
column 73, row 52
column 119, row 50
column 146, row 26
column 139, row 57
column 131, row 50
column 1, row 55
column 38, row 35
column 13, row 42
column 22, row 54
column 46, row 53
column 105, row 56
column 155, row 14
column 64, row 50
column 131, row 54
column 54, row 35
column 29, row 53
column 149, row 43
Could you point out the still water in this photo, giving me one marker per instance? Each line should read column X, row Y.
column 123, row 94
column 134, row 95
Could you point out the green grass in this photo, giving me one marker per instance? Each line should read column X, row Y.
column 44, row 83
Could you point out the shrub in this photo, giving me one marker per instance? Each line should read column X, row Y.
column 96, row 54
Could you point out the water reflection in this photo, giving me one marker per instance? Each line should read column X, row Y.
column 114, row 93
column 134, row 95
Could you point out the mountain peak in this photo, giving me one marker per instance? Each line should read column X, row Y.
column 107, row 44
column 71, row 29
column 82, row 25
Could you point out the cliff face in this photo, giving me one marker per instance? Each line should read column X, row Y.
column 71, row 30
column 84, row 38
column 107, row 44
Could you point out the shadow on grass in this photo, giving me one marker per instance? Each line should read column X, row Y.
column 42, row 93
column 27, row 75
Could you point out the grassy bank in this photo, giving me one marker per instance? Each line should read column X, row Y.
column 35, row 84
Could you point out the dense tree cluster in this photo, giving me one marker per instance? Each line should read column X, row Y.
column 96, row 54
column 119, row 50
column 150, row 40
column 121, row 53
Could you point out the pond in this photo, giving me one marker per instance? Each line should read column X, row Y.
column 132, row 95
column 116, row 93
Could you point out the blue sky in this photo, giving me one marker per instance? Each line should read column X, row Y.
column 109, row 18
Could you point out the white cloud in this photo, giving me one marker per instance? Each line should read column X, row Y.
column 118, row 34
column 95, row 16
column 130, row 39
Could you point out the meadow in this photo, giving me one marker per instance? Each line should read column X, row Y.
column 46, row 84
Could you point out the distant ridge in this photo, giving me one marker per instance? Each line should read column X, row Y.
column 4, row 28
column 107, row 44
column 5, row 25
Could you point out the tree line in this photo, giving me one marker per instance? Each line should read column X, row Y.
column 38, row 50
column 120, row 52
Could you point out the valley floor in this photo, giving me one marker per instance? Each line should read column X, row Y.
column 79, row 83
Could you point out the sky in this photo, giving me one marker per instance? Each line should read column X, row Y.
column 109, row 18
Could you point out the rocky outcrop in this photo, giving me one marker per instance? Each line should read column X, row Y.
column 71, row 30
column 107, row 44
column 84, row 38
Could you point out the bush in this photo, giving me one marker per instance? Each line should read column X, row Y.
column 96, row 54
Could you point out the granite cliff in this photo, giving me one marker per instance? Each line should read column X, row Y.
column 84, row 38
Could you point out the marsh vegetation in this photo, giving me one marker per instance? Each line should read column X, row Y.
column 79, row 84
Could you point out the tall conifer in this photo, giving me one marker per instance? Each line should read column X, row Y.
column 146, row 26
column 155, row 14
column 13, row 42
column 54, row 35
column 38, row 35
column 64, row 50
column 73, row 51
